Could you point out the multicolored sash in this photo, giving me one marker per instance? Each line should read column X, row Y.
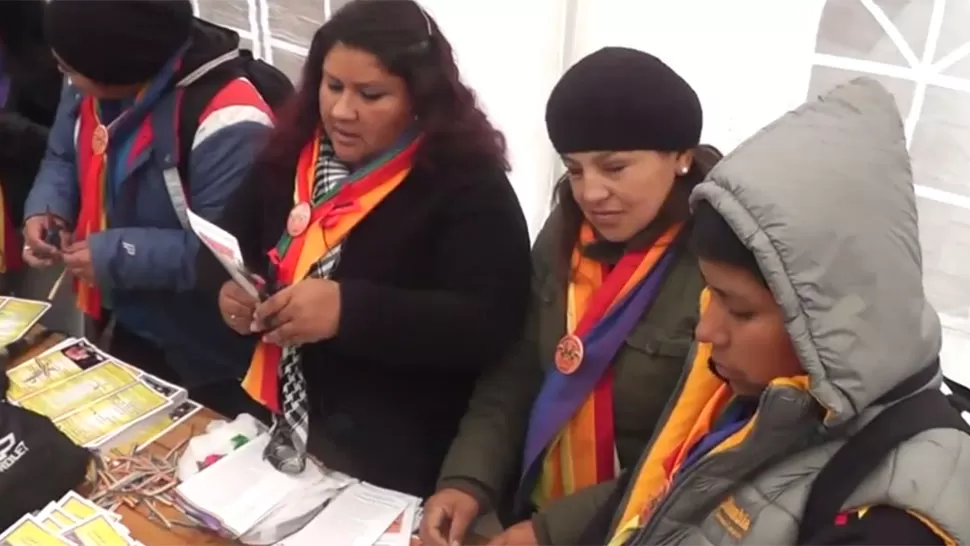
column 570, row 442
column 322, row 217
column 692, row 413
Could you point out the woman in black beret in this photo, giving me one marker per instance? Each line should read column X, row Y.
column 614, row 307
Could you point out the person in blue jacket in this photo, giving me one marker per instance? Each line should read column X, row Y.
column 109, row 188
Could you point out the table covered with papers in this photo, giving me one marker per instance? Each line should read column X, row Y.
column 138, row 425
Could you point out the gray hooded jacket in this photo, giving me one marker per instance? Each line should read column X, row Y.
column 824, row 198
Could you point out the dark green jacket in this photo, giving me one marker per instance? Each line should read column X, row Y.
column 486, row 456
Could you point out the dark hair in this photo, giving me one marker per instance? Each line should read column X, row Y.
column 410, row 45
column 675, row 208
column 713, row 239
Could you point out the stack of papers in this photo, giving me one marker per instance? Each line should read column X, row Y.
column 61, row 361
column 96, row 400
column 18, row 316
column 71, row 521
column 361, row 515
column 242, row 495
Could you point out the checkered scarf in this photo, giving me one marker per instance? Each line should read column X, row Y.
column 286, row 450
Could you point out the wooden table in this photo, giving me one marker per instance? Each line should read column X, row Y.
column 136, row 520
column 146, row 530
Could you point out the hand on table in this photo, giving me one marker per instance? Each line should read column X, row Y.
column 36, row 252
column 305, row 312
column 237, row 307
column 447, row 516
column 520, row 534
column 77, row 260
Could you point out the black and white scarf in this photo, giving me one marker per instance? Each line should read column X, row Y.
column 286, row 450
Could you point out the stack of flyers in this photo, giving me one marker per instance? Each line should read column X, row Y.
column 71, row 521
column 18, row 316
column 66, row 359
column 28, row 532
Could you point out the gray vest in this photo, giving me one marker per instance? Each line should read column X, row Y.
column 755, row 492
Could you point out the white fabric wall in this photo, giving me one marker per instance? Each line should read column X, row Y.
column 512, row 52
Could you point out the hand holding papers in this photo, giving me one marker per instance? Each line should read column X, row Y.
column 225, row 247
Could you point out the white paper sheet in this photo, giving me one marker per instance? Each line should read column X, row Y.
column 225, row 247
column 242, row 488
column 357, row 517
column 400, row 532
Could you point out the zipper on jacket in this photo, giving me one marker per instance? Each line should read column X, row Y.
column 668, row 409
column 672, row 494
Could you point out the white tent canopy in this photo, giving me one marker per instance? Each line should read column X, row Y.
column 749, row 60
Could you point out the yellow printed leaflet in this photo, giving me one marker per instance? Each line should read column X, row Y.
column 39, row 373
column 83, row 388
column 111, row 413
column 30, row 533
column 17, row 317
column 79, row 509
column 97, row 531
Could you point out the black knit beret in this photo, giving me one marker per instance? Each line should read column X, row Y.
column 117, row 42
column 621, row 99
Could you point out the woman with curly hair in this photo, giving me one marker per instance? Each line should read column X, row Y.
column 393, row 247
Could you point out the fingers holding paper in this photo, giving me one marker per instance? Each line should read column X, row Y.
column 237, row 307
column 37, row 251
column 305, row 312
column 447, row 516
column 77, row 260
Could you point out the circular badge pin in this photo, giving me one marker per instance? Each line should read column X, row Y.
column 299, row 219
column 99, row 140
column 569, row 354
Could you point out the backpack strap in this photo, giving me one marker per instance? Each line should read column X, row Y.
column 959, row 396
column 850, row 466
column 192, row 94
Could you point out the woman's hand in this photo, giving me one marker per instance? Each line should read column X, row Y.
column 305, row 312
column 37, row 253
column 447, row 516
column 520, row 534
column 237, row 307
column 77, row 260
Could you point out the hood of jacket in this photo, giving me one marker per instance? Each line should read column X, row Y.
column 824, row 199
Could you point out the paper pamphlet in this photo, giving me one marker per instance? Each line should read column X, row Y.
column 159, row 426
column 80, row 508
column 97, row 530
column 242, row 488
column 54, row 519
column 78, row 390
column 29, row 532
column 18, row 316
column 401, row 531
column 111, row 413
column 358, row 516
column 225, row 247
column 61, row 361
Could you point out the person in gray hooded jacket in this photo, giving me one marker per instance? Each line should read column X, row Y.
column 814, row 315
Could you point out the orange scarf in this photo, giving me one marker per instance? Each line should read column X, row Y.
column 330, row 222
column 93, row 171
